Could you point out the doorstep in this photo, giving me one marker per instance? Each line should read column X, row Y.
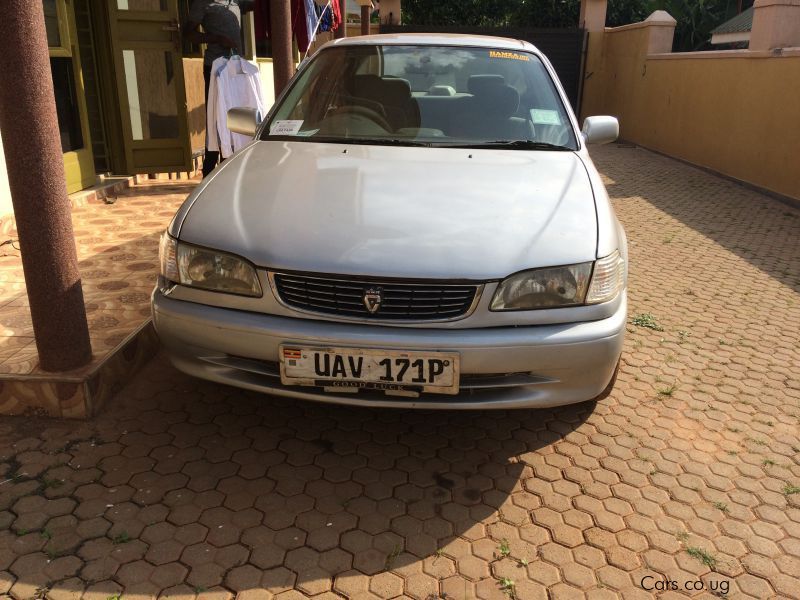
column 81, row 393
column 117, row 246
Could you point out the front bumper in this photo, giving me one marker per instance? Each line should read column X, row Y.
column 552, row 365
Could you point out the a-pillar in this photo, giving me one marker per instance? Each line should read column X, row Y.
column 776, row 24
column 36, row 179
column 282, row 60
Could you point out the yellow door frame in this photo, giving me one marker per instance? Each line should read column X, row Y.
column 78, row 164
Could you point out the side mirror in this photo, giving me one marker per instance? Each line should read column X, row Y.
column 600, row 130
column 244, row 120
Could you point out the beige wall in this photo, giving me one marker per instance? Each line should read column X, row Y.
column 5, row 194
column 267, row 81
column 732, row 111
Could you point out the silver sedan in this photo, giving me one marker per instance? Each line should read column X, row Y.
column 416, row 223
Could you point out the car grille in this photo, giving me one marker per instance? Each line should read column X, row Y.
column 399, row 301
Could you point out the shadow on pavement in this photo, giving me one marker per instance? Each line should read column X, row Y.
column 185, row 482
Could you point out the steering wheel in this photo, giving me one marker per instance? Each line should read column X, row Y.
column 361, row 111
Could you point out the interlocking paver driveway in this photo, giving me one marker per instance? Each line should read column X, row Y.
column 689, row 472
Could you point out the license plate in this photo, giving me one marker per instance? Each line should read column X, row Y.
column 352, row 369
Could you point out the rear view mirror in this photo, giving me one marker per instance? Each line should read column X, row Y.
column 600, row 130
column 244, row 120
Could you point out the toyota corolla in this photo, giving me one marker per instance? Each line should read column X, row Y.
column 416, row 223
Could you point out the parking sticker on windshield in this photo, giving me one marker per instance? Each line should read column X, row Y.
column 508, row 55
column 291, row 127
column 540, row 116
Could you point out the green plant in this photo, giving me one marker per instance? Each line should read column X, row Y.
column 507, row 585
column 703, row 556
column 504, row 549
column 390, row 558
column 790, row 489
column 647, row 321
column 721, row 506
column 668, row 391
column 121, row 538
column 52, row 483
column 768, row 462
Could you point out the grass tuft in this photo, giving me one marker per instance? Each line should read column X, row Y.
column 703, row 556
column 647, row 321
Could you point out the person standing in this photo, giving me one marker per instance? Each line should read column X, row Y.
column 221, row 21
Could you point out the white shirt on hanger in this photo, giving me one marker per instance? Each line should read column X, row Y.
column 234, row 82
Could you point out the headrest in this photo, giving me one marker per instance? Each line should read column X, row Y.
column 399, row 90
column 442, row 90
column 366, row 86
column 493, row 94
column 479, row 84
column 390, row 91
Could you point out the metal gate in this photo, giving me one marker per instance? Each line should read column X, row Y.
column 563, row 47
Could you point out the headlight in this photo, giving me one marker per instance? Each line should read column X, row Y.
column 207, row 269
column 572, row 285
column 543, row 288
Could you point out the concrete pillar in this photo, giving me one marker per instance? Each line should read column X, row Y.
column 249, row 35
column 35, row 165
column 342, row 31
column 776, row 24
column 661, row 31
column 366, row 9
column 282, row 62
column 593, row 15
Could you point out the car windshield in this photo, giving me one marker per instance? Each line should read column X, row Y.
column 426, row 95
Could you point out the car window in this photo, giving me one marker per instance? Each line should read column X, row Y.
column 424, row 94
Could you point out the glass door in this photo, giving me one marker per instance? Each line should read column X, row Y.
column 65, row 67
column 146, row 43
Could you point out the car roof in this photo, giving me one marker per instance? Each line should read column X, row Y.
column 436, row 39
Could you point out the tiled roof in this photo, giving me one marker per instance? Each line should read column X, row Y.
column 738, row 24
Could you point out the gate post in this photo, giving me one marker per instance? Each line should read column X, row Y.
column 593, row 15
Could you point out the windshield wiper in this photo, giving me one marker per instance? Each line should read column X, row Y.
column 326, row 139
column 514, row 144
column 380, row 142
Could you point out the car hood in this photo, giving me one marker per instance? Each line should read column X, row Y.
column 388, row 211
